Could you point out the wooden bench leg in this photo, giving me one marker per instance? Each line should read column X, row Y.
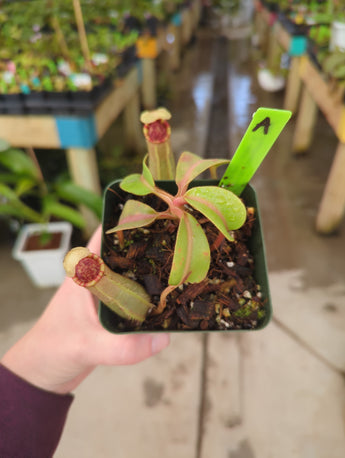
column 293, row 87
column 83, row 168
column 186, row 32
column 305, row 123
column 174, row 46
column 332, row 207
column 274, row 54
column 262, row 31
column 134, row 138
column 149, row 96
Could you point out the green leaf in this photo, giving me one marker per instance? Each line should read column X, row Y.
column 3, row 145
column 8, row 177
column 192, row 253
column 77, row 195
column 332, row 61
column 137, row 184
column 20, row 211
column 147, row 175
column 15, row 207
column 52, row 207
column 7, row 192
column 10, row 210
column 189, row 166
column 339, row 72
column 19, row 163
column 134, row 214
column 24, row 185
column 223, row 208
column 134, row 184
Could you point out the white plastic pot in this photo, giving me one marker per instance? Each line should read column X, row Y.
column 337, row 40
column 44, row 267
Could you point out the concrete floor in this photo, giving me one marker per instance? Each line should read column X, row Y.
column 275, row 393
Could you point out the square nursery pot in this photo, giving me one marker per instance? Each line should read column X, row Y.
column 112, row 322
column 44, row 266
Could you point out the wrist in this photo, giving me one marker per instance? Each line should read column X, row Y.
column 45, row 362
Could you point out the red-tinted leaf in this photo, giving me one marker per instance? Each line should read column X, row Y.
column 134, row 214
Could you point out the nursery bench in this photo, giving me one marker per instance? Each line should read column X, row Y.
column 278, row 34
column 295, row 43
column 78, row 134
column 171, row 38
column 319, row 93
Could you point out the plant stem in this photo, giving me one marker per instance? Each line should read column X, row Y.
column 33, row 156
column 161, row 160
column 59, row 34
column 82, row 33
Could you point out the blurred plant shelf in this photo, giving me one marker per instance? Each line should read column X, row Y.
column 63, row 57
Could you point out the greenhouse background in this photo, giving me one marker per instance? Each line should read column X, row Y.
column 75, row 77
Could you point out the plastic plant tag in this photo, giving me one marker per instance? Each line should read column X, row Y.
column 263, row 131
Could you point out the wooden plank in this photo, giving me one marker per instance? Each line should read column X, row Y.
column 305, row 123
column 341, row 126
column 83, row 168
column 262, row 31
column 283, row 36
column 149, row 96
column 113, row 105
column 224, row 391
column 161, row 39
column 274, row 54
column 268, row 17
column 134, row 138
column 320, row 90
column 196, row 13
column 186, row 26
column 332, row 207
column 174, row 45
column 293, row 87
column 26, row 131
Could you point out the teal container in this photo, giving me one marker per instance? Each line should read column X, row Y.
column 256, row 245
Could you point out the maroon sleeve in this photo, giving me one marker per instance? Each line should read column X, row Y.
column 31, row 419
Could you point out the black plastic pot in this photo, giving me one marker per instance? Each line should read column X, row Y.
column 113, row 195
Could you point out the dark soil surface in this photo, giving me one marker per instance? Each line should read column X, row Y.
column 228, row 298
column 43, row 242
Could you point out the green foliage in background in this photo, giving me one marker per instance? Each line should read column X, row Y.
column 26, row 197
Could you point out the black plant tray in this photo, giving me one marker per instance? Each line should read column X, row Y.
column 291, row 26
column 44, row 102
column 11, row 103
column 113, row 193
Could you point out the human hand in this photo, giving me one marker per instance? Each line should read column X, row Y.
column 68, row 341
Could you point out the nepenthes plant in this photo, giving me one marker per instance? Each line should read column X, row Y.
column 191, row 209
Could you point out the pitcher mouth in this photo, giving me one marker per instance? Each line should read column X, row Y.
column 157, row 132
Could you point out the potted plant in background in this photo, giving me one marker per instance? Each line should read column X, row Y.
column 43, row 213
column 184, row 254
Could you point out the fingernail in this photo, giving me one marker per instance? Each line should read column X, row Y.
column 159, row 342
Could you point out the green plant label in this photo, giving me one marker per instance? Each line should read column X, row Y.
column 263, row 131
